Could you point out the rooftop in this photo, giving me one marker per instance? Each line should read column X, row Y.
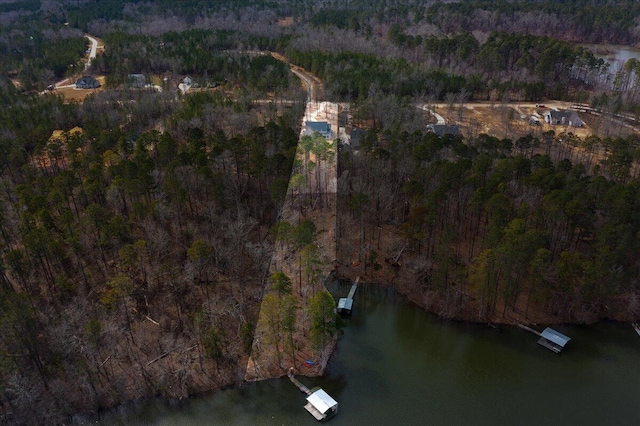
column 321, row 401
column 318, row 126
column 444, row 129
column 555, row 336
column 345, row 303
column 565, row 116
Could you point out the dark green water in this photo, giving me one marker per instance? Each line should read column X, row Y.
column 397, row 365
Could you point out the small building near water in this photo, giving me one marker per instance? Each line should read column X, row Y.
column 321, row 405
column 345, row 305
column 553, row 340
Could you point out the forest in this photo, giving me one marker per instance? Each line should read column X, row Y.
column 137, row 226
column 525, row 225
column 116, row 249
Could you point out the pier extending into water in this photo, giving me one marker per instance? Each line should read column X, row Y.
column 549, row 338
column 296, row 382
column 345, row 304
column 529, row 329
column 319, row 404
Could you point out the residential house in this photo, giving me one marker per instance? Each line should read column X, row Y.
column 444, row 129
column 136, row 80
column 59, row 135
column 355, row 137
column 87, row 82
column 567, row 118
column 322, row 127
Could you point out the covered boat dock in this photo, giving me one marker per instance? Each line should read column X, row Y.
column 345, row 304
column 553, row 340
column 549, row 338
column 321, row 405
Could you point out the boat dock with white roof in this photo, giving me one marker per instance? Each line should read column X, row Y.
column 319, row 404
column 345, row 304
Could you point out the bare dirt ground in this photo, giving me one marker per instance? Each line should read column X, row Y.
column 311, row 82
column 512, row 120
column 506, row 120
column 268, row 358
column 101, row 46
column 285, row 22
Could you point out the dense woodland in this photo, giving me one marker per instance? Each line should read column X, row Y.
column 105, row 236
column 517, row 224
column 146, row 235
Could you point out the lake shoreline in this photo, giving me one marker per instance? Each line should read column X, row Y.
column 387, row 331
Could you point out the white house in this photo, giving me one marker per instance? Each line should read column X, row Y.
column 567, row 118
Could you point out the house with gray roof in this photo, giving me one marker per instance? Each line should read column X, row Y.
column 322, row 127
column 87, row 82
column 563, row 117
column 444, row 129
column 137, row 81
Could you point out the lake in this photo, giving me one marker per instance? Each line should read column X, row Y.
column 615, row 54
column 396, row 364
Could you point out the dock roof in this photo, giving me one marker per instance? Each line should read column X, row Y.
column 555, row 336
column 321, row 401
column 345, row 303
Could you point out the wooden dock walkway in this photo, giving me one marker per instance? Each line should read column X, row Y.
column 524, row 327
column 296, row 382
column 354, row 287
column 549, row 338
column 346, row 303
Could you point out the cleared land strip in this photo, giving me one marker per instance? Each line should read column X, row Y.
column 311, row 196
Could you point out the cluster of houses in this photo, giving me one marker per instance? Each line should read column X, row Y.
column 136, row 81
column 553, row 117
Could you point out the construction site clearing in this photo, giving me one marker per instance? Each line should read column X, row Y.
column 512, row 120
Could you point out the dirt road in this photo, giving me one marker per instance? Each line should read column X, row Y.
column 313, row 83
column 92, row 52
